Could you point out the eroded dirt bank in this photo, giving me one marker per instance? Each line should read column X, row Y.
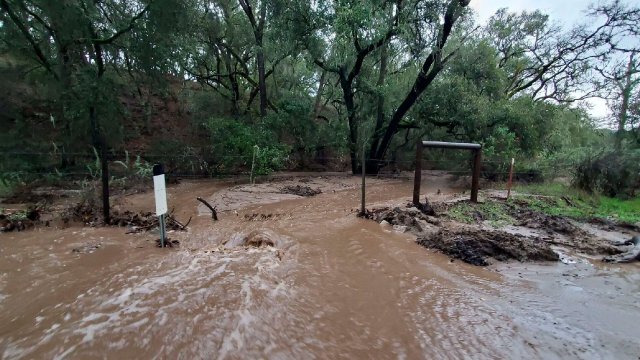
column 333, row 285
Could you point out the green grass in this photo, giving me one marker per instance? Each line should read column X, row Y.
column 625, row 210
column 580, row 206
column 495, row 212
column 551, row 199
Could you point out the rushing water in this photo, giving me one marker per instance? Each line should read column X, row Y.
column 336, row 287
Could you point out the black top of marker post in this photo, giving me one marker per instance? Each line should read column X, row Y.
column 158, row 169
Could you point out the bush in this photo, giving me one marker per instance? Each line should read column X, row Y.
column 611, row 174
column 234, row 143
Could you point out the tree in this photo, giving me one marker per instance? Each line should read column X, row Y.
column 619, row 69
column 361, row 29
column 623, row 79
column 74, row 43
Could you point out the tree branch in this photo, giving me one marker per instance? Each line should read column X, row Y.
column 25, row 32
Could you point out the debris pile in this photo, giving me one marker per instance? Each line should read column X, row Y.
column 262, row 217
column 411, row 218
column 305, row 191
column 144, row 221
column 20, row 220
column 481, row 247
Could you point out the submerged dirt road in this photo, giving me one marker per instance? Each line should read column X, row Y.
column 335, row 286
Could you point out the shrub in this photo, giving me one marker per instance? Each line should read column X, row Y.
column 234, row 143
column 612, row 174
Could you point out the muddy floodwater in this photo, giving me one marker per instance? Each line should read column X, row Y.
column 334, row 286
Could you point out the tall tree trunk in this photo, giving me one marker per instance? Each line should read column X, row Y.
column 98, row 134
column 349, row 103
column 373, row 164
column 262, row 83
column 100, row 145
column 626, row 88
column 104, row 162
column 257, row 24
column 233, row 81
column 318, row 102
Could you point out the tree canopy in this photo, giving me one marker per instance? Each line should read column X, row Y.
column 308, row 83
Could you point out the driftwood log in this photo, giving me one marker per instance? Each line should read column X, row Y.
column 214, row 214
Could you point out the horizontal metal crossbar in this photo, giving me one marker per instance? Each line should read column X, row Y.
column 451, row 145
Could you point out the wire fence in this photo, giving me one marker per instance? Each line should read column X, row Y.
column 85, row 165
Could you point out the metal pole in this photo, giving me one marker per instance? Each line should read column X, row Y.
column 253, row 163
column 162, row 231
column 510, row 178
column 475, row 181
column 362, row 206
column 418, row 175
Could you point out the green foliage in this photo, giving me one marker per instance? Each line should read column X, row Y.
column 270, row 159
column 613, row 174
column 95, row 168
column 233, row 145
column 6, row 188
column 186, row 73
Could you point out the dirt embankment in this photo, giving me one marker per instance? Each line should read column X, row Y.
column 522, row 234
column 479, row 247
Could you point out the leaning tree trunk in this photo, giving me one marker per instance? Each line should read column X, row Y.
column 318, row 102
column 353, row 122
column 373, row 164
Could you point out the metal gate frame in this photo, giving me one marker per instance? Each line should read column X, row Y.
column 475, row 182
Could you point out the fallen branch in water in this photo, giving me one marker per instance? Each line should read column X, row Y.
column 178, row 223
column 214, row 214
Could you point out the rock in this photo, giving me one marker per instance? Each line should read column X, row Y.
column 432, row 220
column 256, row 238
column 633, row 254
column 400, row 228
column 87, row 248
column 423, row 226
column 413, row 211
column 385, row 223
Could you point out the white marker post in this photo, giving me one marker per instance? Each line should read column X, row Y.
column 161, row 198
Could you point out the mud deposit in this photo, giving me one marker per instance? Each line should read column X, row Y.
column 480, row 247
column 282, row 276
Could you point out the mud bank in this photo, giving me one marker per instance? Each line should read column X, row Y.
column 483, row 247
column 521, row 234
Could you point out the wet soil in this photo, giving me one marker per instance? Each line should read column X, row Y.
column 480, row 247
column 314, row 281
column 299, row 190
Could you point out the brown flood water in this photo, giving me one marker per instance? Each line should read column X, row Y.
column 340, row 287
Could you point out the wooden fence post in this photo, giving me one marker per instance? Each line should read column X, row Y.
column 510, row 178
column 362, row 205
column 475, row 181
column 418, row 175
